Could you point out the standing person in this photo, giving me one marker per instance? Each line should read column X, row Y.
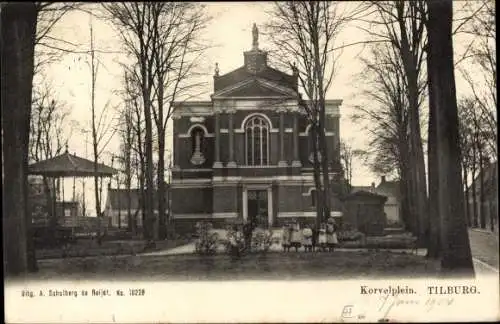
column 314, row 237
column 331, row 235
column 307, row 235
column 285, row 238
column 234, row 242
column 322, row 237
column 296, row 237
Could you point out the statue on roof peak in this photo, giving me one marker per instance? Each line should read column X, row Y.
column 255, row 34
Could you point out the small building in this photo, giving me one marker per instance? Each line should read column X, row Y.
column 392, row 208
column 371, row 188
column 391, row 190
column 364, row 211
column 118, row 203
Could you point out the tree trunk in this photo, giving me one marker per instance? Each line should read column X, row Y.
column 317, row 176
column 18, row 28
column 410, row 194
column 128, row 175
column 150, row 218
column 433, row 247
column 162, row 233
column 417, row 165
column 405, row 185
column 492, row 214
column 466, row 196
column 142, row 193
column 409, row 56
column 95, row 139
column 455, row 249
column 320, row 108
column 325, row 166
column 482, row 212
column 474, row 191
column 141, row 172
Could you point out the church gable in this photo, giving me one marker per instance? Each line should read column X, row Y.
column 255, row 88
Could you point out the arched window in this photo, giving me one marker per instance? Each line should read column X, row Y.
column 197, row 137
column 257, row 141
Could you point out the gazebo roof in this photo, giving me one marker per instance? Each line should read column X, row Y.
column 69, row 165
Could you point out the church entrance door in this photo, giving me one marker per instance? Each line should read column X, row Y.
column 258, row 208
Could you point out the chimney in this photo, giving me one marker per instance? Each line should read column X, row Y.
column 383, row 179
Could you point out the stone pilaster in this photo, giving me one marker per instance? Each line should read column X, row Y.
column 296, row 159
column 282, row 161
column 217, row 161
column 231, row 163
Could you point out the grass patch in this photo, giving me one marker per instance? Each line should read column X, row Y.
column 271, row 266
column 90, row 248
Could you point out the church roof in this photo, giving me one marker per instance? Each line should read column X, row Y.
column 255, row 66
column 242, row 73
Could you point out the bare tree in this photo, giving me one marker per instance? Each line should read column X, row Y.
column 132, row 95
column 102, row 130
column 135, row 23
column 480, row 69
column 305, row 32
column 48, row 47
column 445, row 178
column 163, row 39
column 177, row 28
column 347, row 156
column 49, row 124
column 465, row 106
column 385, row 116
column 128, row 137
column 400, row 23
column 18, row 30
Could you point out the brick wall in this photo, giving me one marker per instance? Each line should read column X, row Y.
column 225, row 199
column 290, row 198
column 191, row 200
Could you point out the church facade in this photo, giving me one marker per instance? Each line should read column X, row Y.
column 246, row 154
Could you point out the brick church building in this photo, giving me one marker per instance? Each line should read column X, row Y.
column 246, row 153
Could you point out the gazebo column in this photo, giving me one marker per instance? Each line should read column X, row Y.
column 296, row 158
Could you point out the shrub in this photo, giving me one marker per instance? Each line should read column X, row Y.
column 234, row 242
column 262, row 240
column 207, row 240
column 350, row 235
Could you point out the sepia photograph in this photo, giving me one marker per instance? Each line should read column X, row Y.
column 289, row 161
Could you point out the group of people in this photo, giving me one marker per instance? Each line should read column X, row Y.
column 322, row 238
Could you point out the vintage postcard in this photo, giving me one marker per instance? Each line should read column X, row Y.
column 261, row 162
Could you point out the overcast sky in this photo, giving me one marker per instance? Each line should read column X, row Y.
column 230, row 35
